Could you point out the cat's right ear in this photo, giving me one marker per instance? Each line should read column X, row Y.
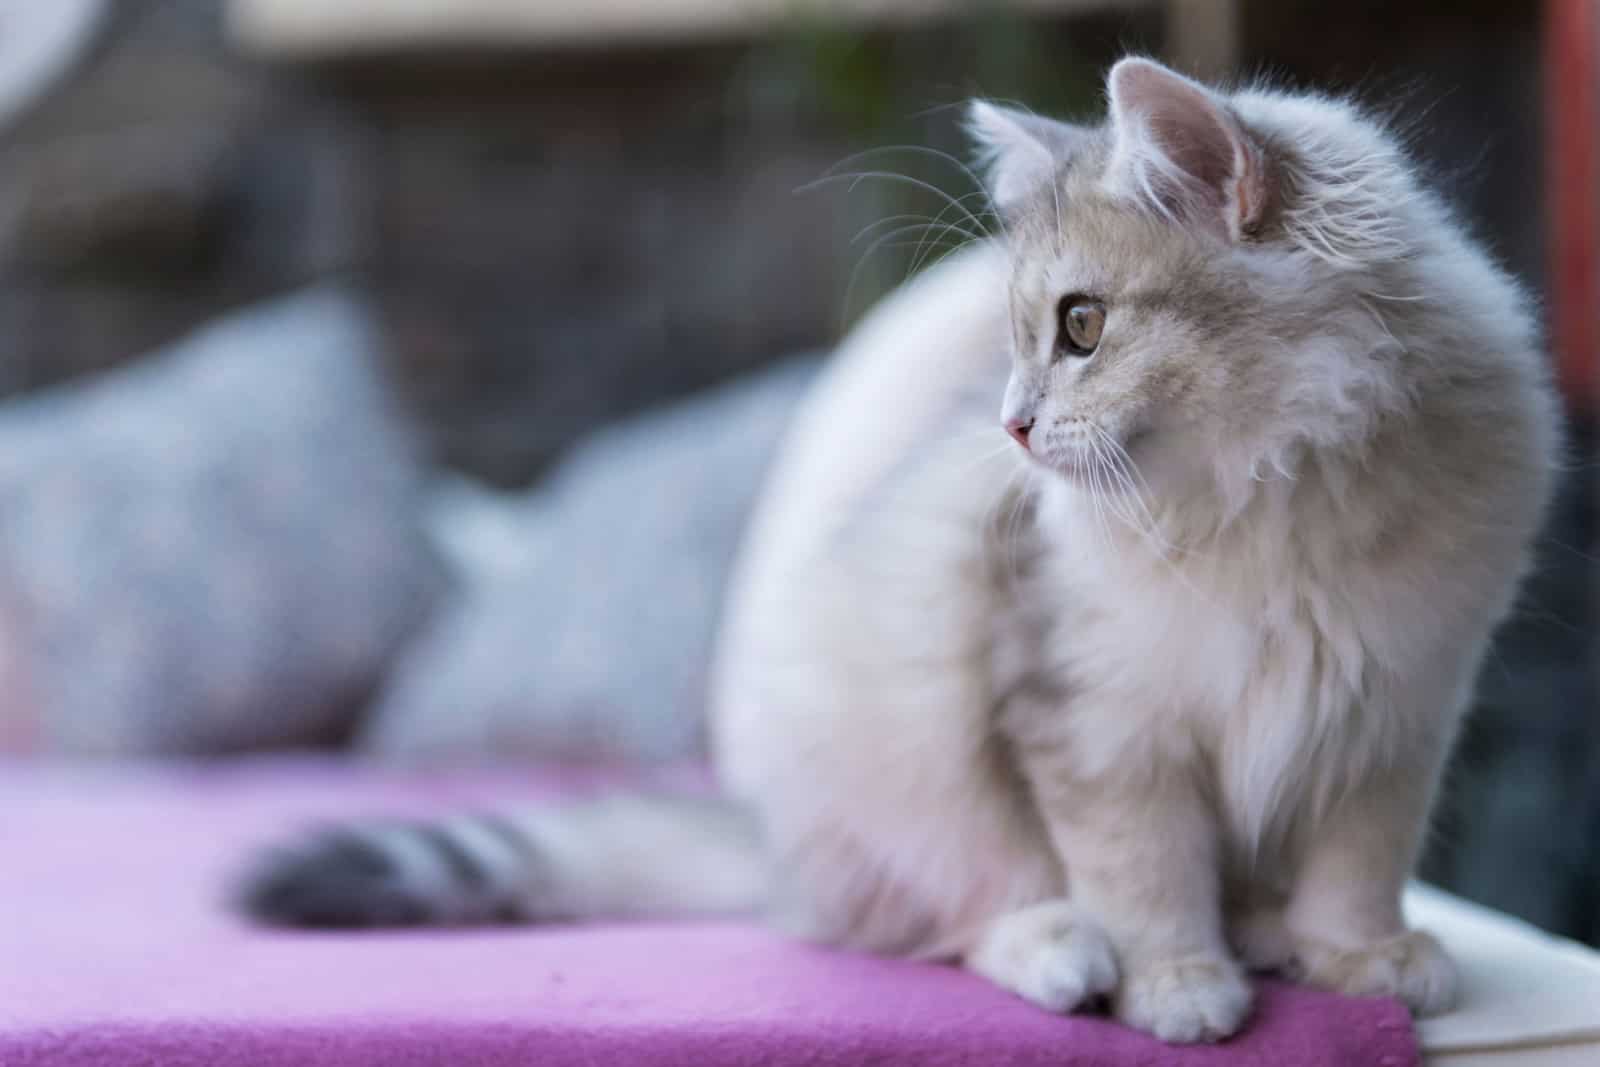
column 1017, row 151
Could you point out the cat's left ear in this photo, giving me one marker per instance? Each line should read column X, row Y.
column 1019, row 152
column 1179, row 147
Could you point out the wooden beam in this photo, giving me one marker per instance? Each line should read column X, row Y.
column 312, row 28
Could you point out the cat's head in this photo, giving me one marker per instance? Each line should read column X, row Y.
column 1190, row 279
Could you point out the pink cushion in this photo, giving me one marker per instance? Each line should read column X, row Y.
column 115, row 951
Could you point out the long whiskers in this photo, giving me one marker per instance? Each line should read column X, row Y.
column 1090, row 468
column 960, row 219
column 946, row 228
column 855, row 178
column 913, row 220
column 942, row 156
column 881, row 241
column 1120, row 464
column 1132, row 508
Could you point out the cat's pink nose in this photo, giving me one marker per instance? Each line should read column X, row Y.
column 1019, row 433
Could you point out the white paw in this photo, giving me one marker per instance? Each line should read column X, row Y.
column 1412, row 966
column 1197, row 998
column 1049, row 954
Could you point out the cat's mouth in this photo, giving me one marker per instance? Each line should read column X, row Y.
column 1105, row 465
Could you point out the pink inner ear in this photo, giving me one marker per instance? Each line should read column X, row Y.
column 1204, row 158
column 1250, row 188
column 1196, row 141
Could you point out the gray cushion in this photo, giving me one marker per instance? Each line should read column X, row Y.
column 593, row 643
column 218, row 547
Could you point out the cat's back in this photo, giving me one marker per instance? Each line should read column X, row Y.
column 914, row 387
column 914, row 358
column 852, row 699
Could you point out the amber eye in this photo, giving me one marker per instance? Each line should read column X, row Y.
column 1082, row 320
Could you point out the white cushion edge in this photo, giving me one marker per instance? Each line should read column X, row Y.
column 1520, row 987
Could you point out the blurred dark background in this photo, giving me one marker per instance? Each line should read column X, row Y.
column 569, row 213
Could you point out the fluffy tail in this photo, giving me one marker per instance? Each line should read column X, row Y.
column 623, row 857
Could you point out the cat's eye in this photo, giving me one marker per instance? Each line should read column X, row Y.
column 1082, row 320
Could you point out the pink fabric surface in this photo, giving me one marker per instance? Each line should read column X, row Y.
column 116, row 951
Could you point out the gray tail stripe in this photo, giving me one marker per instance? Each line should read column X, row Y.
column 353, row 850
column 463, row 865
column 509, row 832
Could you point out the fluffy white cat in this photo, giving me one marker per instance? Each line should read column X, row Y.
column 1156, row 691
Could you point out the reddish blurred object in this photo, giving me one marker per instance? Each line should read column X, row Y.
column 1572, row 109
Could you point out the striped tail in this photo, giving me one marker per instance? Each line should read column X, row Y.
column 623, row 857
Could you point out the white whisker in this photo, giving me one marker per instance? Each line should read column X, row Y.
column 857, row 177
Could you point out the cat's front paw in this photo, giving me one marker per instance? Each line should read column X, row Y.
column 1049, row 954
column 1412, row 966
column 1196, row 998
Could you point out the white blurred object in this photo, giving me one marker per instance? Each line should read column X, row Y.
column 39, row 42
column 1528, row 999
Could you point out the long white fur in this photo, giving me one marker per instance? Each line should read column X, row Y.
column 1280, row 601
column 1169, row 694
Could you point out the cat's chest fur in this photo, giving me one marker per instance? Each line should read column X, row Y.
column 1241, row 660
